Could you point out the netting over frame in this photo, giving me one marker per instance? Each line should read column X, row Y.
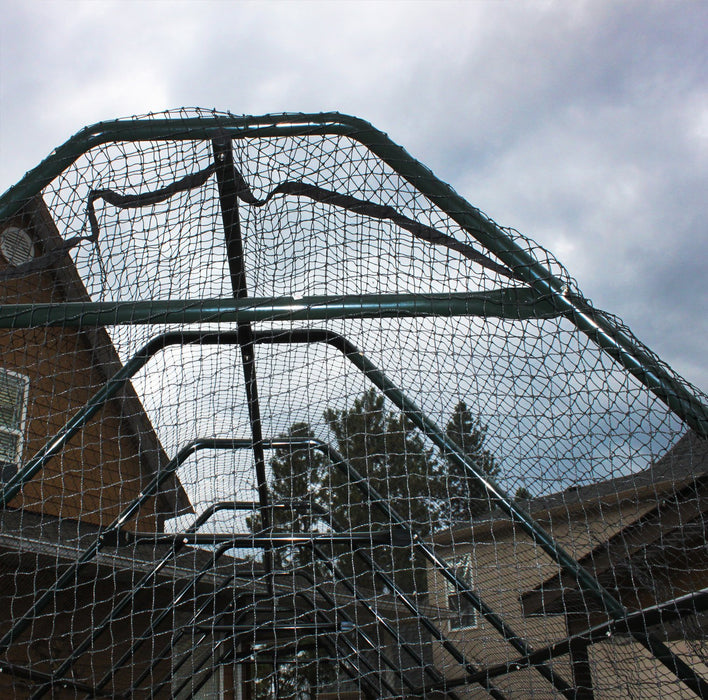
column 297, row 534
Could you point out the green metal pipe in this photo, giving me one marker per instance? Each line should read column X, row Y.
column 437, row 436
column 79, row 420
column 106, row 536
column 249, row 540
column 489, row 615
column 294, row 443
column 341, row 344
column 381, row 621
column 599, row 328
column 512, row 304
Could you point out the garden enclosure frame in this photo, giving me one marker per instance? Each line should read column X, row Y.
column 163, row 258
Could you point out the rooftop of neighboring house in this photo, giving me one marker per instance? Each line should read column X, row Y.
column 685, row 462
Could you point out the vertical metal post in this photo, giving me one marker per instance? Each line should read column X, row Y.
column 228, row 197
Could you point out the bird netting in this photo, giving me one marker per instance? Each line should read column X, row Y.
column 281, row 415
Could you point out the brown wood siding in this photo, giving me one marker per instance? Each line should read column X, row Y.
column 100, row 471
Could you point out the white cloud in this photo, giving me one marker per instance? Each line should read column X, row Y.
column 583, row 124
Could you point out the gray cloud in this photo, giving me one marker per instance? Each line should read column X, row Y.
column 583, row 125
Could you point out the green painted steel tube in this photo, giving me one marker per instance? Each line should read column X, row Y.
column 262, row 541
column 595, row 325
column 600, row 329
column 382, row 504
column 315, row 335
column 132, row 367
column 163, row 615
column 512, row 304
column 79, row 420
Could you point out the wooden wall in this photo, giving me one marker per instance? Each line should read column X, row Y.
column 108, row 463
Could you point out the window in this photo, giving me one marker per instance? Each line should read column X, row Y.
column 464, row 614
column 13, row 413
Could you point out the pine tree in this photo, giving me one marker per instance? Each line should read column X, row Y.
column 391, row 454
column 468, row 498
column 428, row 492
column 387, row 450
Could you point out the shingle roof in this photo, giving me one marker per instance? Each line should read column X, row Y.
column 684, row 462
column 687, row 459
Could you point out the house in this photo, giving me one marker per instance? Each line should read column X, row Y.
column 46, row 376
column 642, row 535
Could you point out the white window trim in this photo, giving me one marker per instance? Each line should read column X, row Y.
column 450, row 589
column 18, row 432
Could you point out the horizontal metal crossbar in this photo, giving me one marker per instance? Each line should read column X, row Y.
column 511, row 303
column 373, row 374
column 401, row 642
column 382, row 505
column 495, row 620
column 394, row 538
column 205, row 515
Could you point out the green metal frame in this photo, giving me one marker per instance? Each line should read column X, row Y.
column 613, row 607
column 113, row 534
column 545, row 296
column 548, row 288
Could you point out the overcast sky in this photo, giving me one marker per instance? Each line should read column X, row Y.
column 582, row 124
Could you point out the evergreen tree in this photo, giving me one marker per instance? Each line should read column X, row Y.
column 387, row 450
column 391, row 454
column 467, row 497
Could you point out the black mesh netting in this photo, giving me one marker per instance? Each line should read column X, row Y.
column 252, row 515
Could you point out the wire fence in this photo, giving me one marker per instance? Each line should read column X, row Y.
column 281, row 415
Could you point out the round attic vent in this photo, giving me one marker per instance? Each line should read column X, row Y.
column 16, row 245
